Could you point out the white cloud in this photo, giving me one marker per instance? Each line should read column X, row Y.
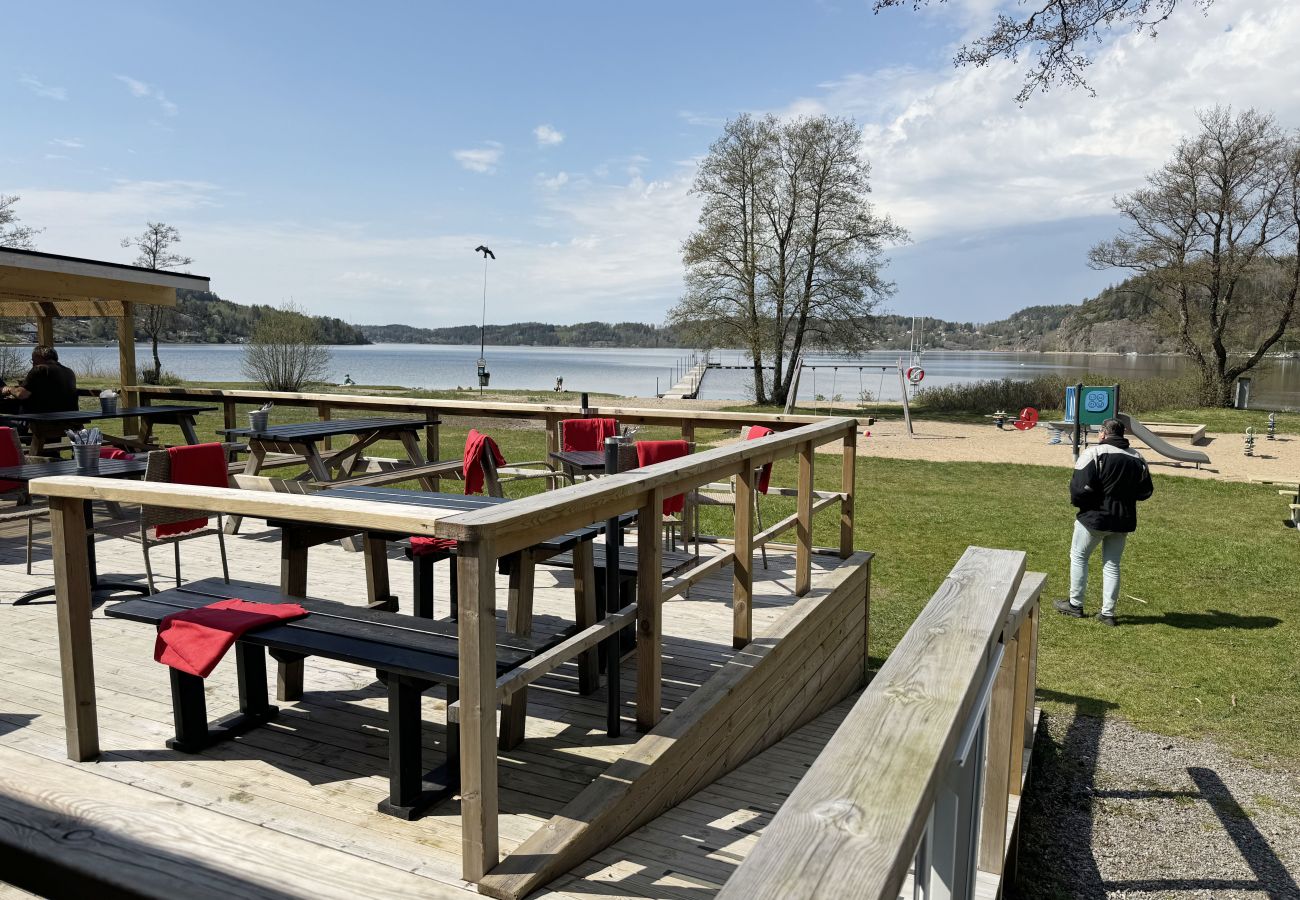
column 952, row 153
column 483, row 159
column 554, row 182
column 700, row 119
column 143, row 89
column 40, row 89
column 547, row 136
column 69, row 143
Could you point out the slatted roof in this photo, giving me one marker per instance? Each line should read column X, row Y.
column 45, row 285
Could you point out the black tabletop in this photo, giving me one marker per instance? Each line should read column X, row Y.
column 89, row 415
column 587, row 460
column 312, row 431
column 108, row 468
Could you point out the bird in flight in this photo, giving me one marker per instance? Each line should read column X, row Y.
column 482, row 248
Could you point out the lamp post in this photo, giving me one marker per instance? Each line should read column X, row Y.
column 483, row 374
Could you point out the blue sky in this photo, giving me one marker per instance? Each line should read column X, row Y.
column 350, row 158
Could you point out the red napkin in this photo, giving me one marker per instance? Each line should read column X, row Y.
column 650, row 452
column 765, row 472
column 473, row 462
column 424, row 546
column 194, row 640
column 10, row 455
column 199, row 464
column 588, row 434
column 114, row 453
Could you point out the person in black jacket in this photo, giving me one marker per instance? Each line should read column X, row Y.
column 1108, row 483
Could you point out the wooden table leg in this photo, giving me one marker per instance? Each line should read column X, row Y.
column 584, row 600
column 187, row 429
column 256, row 455
column 293, row 583
column 415, row 456
column 519, row 620
column 377, row 588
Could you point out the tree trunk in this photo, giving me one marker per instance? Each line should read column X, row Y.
column 1216, row 388
column 157, row 362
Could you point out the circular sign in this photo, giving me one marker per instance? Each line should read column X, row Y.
column 915, row 374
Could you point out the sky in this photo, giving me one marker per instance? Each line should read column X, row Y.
column 348, row 158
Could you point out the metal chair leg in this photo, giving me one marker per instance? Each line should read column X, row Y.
column 176, row 552
column 30, row 527
column 221, row 543
column 148, row 568
column 758, row 516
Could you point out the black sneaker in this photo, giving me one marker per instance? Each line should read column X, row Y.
column 1066, row 608
column 1108, row 621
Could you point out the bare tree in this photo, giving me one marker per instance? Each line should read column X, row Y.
column 12, row 234
column 285, row 352
column 1058, row 33
column 154, row 245
column 789, row 250
column 1215, row 235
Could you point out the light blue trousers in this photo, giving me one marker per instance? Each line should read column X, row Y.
column 1112, row 548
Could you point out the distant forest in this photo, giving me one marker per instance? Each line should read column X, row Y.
column 533, row 334
column 203, row 317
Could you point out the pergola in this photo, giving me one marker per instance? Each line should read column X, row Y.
column 45, row 286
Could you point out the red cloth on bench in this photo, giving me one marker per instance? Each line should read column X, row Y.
column 194, row 640
column 472, row 466
column 10, row 455
column 765, row 472
column 114, row 453
column 198, row 464
column 650, row 452
column 588, row 434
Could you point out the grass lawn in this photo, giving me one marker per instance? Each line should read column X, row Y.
column 1212, row 648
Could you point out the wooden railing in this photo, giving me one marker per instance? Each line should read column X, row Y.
column 483, row 536
column 921, row 774
column 548, row 413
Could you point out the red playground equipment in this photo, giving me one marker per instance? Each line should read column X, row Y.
column 1028, row 419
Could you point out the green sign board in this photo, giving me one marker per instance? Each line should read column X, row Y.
column 1095, row 405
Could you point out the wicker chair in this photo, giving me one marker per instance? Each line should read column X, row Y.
column 158, row 468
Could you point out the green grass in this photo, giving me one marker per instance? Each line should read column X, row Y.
column 1214, row 650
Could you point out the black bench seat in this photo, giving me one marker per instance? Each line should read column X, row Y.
column 410, row 655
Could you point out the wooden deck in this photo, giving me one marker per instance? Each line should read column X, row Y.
column 289, row 809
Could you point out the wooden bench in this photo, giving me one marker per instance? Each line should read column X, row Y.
column 409, row 654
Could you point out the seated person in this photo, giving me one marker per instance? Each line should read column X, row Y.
column 49, row 387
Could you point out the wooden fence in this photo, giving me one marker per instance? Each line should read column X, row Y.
column 484, row 536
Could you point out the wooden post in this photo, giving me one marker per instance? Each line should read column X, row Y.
column 45, row 330
column 126, row 370
column 476, row 564
column 1031, row 689
column 1018, row 705
column 742, row 568
column 323, row 410
column 649, row 613
column 848, row 485
column 688, row 511
column 73, row 604
column 803, row 527
column 997, row 775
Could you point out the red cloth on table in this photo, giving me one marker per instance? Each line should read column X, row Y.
column 10, row 455
column 197, row 464
column 114, row 453
column 472, row 466
column 650, row 452
column 194, row 640
column 588, row 434
column 764, row 472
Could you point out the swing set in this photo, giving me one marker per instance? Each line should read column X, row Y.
column 908, row 376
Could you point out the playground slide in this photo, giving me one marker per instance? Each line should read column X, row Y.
column 1160, row 445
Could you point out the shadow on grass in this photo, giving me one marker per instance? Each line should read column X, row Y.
column 1211, row 620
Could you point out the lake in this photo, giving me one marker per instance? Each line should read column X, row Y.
column 640, row 372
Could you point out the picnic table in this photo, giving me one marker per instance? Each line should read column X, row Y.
column 411, row 655
column 303, row 440
column 108, row 468
column 51, row 425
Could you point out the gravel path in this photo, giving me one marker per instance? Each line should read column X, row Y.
column 1116, row 812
